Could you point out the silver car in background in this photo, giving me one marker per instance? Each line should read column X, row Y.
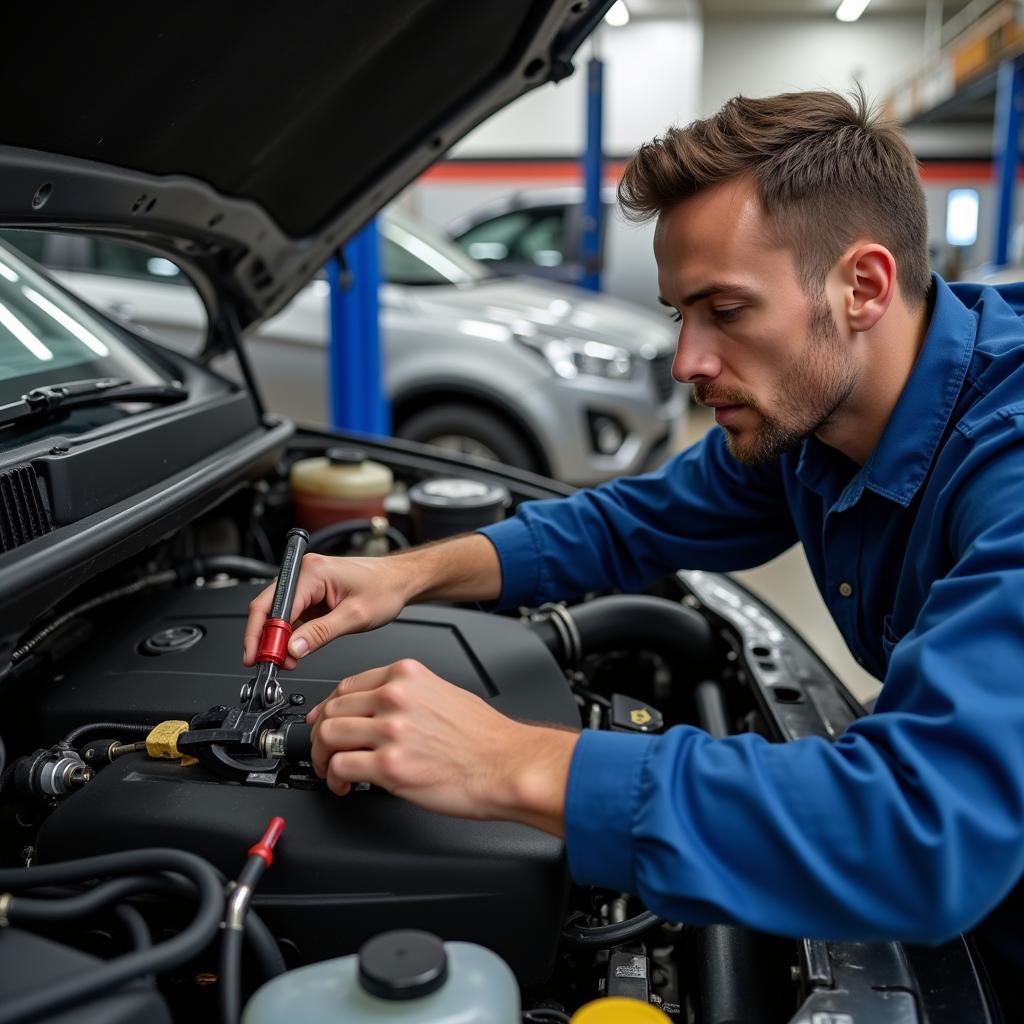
column 539, row 375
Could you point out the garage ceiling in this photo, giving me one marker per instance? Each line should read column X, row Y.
column 780, row 8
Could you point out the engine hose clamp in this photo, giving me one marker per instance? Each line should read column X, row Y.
column 238, row 906
column 567, row 629
column 6, row 899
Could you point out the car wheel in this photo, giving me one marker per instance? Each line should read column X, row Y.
column 469, row 431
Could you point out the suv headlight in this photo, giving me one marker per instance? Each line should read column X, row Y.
column 573, row 357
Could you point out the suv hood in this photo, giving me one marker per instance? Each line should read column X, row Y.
column 528, row 306
column 250, row 144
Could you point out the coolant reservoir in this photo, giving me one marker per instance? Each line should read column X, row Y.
column 343, row 484
column 404, row 977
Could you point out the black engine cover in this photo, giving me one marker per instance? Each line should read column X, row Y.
column 346, row 869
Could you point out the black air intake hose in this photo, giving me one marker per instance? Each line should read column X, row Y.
column 629, row 621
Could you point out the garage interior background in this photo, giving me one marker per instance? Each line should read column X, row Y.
column 935, row 66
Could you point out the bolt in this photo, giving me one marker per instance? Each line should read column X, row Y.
column 79, row 776
column 297, row 699
column 59, row 449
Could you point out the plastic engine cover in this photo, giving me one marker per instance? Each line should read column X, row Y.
column 345, row 869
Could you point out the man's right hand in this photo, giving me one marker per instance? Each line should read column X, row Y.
column 337, row 596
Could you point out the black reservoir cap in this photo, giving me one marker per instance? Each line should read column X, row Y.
column 631, row 715
column 403, row 965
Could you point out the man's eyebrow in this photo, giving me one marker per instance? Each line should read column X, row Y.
column 714, row 288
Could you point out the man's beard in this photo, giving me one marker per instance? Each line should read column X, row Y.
column 819, row 380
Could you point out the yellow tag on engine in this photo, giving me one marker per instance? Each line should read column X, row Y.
column 162, row 742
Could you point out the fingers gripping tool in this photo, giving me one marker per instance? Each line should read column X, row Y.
column 253, row 741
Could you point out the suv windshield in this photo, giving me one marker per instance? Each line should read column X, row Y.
column 411, row 254
column 47, row 338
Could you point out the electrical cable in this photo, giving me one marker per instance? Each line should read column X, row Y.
column 74, row 737
column 171, row 953
column 330, row 535
column 130, row 589
column 608, row 935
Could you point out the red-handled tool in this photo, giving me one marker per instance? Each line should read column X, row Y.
column 237, row 742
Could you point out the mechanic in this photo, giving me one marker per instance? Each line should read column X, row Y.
column 870, row 411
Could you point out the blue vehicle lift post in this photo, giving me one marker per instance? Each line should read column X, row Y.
column 1009, row 108
column 356, row 394
column 593, row 167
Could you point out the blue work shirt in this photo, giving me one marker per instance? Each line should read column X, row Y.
column 911, row 825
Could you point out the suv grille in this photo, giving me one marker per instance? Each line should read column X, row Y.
column 24, row 514
column 661, row 373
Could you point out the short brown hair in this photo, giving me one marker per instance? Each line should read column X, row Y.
column 827, row 170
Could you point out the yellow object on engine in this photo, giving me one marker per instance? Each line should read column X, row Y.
column 615, row 1010
column 162, row 742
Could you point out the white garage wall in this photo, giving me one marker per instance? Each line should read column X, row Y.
column 805, row 53
column 652, row 79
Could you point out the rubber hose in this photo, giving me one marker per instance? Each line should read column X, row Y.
column 607, row 935
column 329, row 535
column 236, row 565
column 135, row 926
column 75, row 736
column 26, row 910
column 165, row 956
column 258, row 938
column 230, row 982
column 628, row 621
column 711, row 711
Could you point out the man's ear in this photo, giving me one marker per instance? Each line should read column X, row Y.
column 868, row 276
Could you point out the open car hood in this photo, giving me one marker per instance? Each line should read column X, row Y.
column 250, row 143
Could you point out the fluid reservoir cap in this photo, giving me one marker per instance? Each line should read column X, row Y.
column 345, row 456
column 617, row 1010
column 403, row 965
column 458, row 492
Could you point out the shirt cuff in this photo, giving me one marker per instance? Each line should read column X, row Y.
column 519, row 559
column 600, row 802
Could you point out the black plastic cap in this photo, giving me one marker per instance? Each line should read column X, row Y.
column 345, row 456
column 403, row 965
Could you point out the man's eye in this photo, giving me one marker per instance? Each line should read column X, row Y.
column 727, row 314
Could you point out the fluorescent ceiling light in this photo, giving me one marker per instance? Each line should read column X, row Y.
column 851, row 10
column 71, row 326
column 618, row 15
column 23, row 334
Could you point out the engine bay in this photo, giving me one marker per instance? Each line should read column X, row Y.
column 157, row 639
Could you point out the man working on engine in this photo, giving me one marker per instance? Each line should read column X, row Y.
column 869, row 411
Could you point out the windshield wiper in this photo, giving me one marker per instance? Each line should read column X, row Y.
column 72, row 394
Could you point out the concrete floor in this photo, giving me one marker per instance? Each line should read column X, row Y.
column 786, row 583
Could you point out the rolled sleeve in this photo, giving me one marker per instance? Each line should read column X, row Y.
column 601, row 801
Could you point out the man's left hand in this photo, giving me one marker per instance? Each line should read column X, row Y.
column 405, row 729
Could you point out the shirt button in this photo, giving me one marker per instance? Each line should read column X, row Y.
column 845, row 590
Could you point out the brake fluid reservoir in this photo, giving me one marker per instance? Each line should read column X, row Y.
column 343, row 484
column 405, row 977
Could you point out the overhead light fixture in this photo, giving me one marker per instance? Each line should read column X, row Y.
column 851, row 10
column 618, row 15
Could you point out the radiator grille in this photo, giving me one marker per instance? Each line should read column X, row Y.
column 24, row 513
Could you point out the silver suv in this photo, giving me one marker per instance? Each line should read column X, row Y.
column 538, row 375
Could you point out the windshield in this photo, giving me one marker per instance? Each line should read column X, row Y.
column 46, row 337
column 412, row 254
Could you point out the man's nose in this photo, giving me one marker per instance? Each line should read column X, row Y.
column 695, row 361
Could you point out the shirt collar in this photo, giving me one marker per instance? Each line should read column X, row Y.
column 899, row 464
